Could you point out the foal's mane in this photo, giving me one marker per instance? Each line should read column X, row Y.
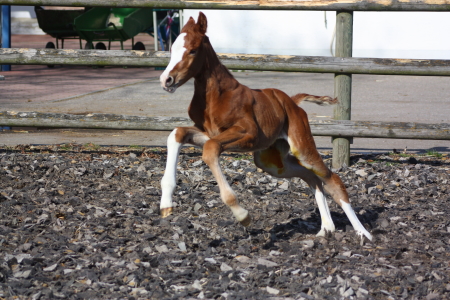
column 210, row 50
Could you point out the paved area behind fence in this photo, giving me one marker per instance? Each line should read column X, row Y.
column 136, row 91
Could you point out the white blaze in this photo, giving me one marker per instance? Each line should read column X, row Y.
column 176, row 56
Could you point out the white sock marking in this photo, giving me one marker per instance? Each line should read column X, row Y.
column 176, row 56
column 168, row 182
column 327, row 222
column 359, row 228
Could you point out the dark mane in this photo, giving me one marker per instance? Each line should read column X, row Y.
column 213, row 63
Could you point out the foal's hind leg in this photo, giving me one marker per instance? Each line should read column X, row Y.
column 175, row 141
column 277, row 161
column 308, row 165
column 334, row 186
column 303, row 148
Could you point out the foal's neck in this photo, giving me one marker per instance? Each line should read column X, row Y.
column 214, row 76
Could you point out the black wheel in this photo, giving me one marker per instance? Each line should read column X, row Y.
column 100, row 46
column 139, row 46
column 50, row 45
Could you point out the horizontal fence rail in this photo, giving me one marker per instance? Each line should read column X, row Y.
column 341, row 128
column 286, row 63
column 333, row 5
column 91, row 121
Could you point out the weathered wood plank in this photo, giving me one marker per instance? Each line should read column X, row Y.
column 29, row 56
column 92, row 121
column 343, row 128
column 285, row 63
column 386, row 130
column 333, row 5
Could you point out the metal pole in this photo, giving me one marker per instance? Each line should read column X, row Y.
column 6, row 31
column 343, row 86
column 155, row 31
column 1, row 45
column 1, row 30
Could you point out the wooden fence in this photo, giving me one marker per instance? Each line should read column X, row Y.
column 285, row 63
column 343, row 66
column 340, row 128
column 322, row 5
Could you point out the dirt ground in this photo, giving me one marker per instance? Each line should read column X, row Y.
column 82, row 222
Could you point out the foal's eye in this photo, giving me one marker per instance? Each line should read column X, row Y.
column 193, row 52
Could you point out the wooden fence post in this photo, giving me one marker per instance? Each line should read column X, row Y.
column 343, row 86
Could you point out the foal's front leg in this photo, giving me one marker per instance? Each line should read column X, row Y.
column 211, row 153
column 175, row 141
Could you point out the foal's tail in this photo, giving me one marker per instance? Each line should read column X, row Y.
column 320, row 100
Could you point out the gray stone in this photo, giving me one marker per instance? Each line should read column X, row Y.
column 224, row 267
column 267, row 263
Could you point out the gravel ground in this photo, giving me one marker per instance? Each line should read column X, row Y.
column 82, row 222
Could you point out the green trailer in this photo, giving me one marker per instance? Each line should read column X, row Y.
column 58, row 24
column 102, row 24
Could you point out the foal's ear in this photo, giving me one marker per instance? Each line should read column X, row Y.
column 191, row 20
column 202, row 23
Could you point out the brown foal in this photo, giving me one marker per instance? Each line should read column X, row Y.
column 229, row 116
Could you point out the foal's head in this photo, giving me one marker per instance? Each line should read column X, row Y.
column 186, row 55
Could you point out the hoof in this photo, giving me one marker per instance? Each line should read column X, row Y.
column 325, row 232
column 165, row 212
column 247, row 220
column 364, row 233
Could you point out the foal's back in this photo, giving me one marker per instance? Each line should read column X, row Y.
column 273, row 110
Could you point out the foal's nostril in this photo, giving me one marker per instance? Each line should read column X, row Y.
column 169, row 81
